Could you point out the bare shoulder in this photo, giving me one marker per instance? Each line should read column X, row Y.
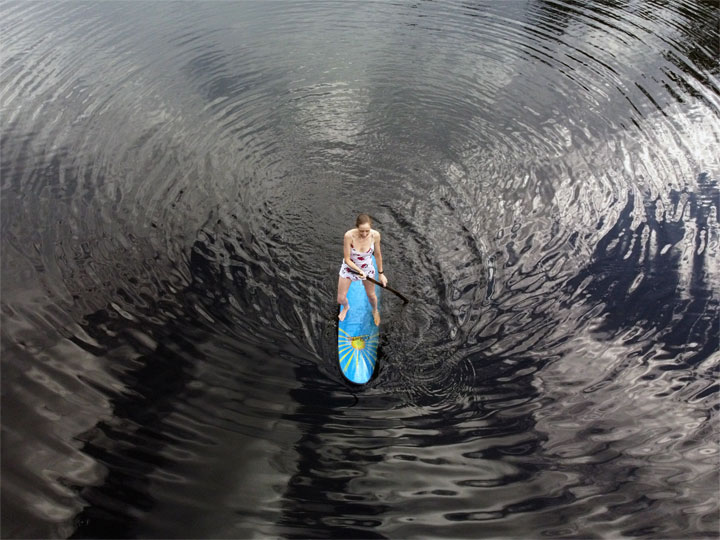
column 376, row 235
column 349, row 234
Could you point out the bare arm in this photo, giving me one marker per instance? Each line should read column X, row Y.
column 378, row 252
column 379, row 259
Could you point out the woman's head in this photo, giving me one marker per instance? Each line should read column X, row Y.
column 363, row 218
column 363, row 224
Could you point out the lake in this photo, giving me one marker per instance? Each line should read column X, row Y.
column 176, row 179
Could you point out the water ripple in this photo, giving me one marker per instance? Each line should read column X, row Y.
column 175, row 181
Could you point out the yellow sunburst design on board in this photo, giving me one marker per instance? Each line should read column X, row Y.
column 355, row 351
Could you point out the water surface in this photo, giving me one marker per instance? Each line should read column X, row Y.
column 176, row 180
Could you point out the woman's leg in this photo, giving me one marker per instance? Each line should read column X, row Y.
column 343, row 286
column 370, row 290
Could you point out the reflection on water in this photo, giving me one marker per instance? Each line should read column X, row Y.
column 175, row 181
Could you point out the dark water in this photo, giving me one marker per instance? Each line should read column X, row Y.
column 176, row 179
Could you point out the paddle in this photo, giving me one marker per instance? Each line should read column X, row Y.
column 371, row 280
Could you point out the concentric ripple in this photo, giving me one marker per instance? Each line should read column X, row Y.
column 176, row 179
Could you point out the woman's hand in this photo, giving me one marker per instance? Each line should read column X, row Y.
column 363, row 275
column 383, row 280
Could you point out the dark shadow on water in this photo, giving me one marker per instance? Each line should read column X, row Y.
column 318, row 501
column 130, row 444
column 640, row 282
column 155, row 379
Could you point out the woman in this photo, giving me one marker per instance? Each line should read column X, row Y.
column 359, row 246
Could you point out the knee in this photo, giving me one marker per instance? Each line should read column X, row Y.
column 372, row 298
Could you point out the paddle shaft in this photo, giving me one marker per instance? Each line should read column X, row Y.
column 371, row 280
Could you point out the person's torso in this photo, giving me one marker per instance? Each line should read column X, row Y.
column 361, row 251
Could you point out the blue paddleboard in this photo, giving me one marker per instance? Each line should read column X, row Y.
column 358, row 336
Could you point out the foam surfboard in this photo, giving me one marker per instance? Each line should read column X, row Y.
column 358, row 336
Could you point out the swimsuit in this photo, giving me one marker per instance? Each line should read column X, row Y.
column 362, row 260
